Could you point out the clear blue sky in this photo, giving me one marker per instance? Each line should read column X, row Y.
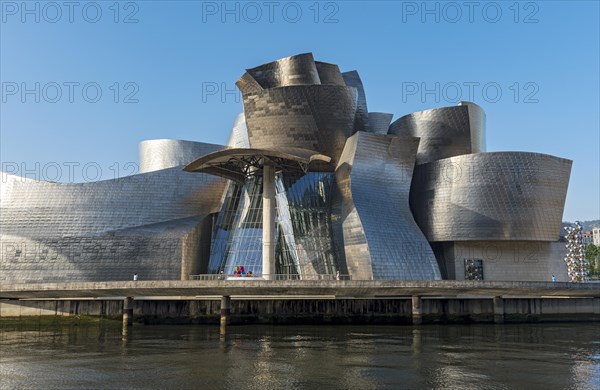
column 543, row 57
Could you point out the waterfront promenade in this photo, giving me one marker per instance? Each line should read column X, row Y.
column 306, row 301
column 326, row 288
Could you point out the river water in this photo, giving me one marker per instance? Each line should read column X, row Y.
column 548, row 356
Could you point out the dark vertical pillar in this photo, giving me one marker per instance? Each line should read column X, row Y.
column 225, row 312
column 417, row 311
column 498, row 310
column 127, row 316
column 127, row 311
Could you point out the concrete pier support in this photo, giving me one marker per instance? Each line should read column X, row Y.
column 498, row 310
column 268, row 263
column 127, row 317
column 225, row 312
column 417, row 311
column 127, row 312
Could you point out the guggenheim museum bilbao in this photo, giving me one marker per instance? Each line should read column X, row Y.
column 310, row 185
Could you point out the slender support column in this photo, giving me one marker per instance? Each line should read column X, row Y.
column 225, row 312
column 417, row 311
column 127, row 312
column 127, row 316
column 268, row 221
column 498, row 310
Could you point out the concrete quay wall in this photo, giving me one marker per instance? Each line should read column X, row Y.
column 273, row 288
column 317, row 311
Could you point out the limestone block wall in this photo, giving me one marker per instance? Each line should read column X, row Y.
column 509, row 260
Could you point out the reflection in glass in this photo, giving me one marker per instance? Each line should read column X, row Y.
column 304, row 231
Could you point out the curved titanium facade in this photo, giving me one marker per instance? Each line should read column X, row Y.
column 444, row 132
column 346, row 187
column 315, row 117
column 379, row 122
column 352, row 79
column 152, row 223
column 329, row 74
column 381, row 238
column 247, row 84
column 238, row 138
column 491, row 196
column 160, row 154
column 296, row 70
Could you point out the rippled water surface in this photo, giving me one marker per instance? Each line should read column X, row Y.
column 549, row 356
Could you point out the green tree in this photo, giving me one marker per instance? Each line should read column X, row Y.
column 592, row 256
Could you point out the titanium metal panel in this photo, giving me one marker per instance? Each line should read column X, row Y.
column 295, row 70
column 379, row 122
column 314, row 117
column 381, row 238
column 491, row 196
column 477, row 126
column 104, row 230
column 357, row 220
column 42, row 209
column 352, row 79
column 238, row 138
column 444, row 132
column 247, row 84
column 160, row 154
column 329, row 73
column 166, row 251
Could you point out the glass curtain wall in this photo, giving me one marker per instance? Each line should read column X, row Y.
column 304, row 231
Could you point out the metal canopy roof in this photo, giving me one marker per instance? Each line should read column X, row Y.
column 239, row 163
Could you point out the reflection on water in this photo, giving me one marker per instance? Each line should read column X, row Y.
column 298, row 357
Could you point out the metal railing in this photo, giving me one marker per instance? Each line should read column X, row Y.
column 268, row 277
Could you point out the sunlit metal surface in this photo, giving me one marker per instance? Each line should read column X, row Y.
column 304, row 118
column 491, row 196
column 238, row 138
column 105, row 230
column 381, row 238
column 157, row 154
column 361, row 121
column 314, row 117
column 444, row 132
column 329, row 73
column 379, row 122
column 295, row 70
column 247, row 84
